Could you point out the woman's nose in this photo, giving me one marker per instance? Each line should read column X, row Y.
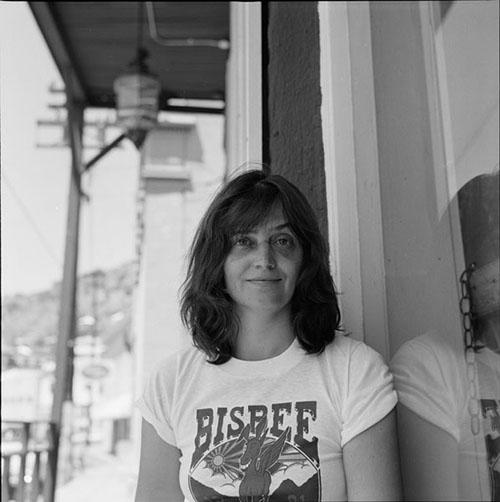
column 265, row 257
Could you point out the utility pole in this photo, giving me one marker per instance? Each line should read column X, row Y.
column 96, row 128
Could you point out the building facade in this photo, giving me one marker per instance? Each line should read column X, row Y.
column 380, row 112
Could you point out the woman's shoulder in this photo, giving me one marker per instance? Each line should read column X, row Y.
column 428, row 348
column 430, row 361
column 344, row 346
column 348, row 354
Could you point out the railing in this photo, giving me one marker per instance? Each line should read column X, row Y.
column 28, row 470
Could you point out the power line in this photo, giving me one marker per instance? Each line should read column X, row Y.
column 31, row 221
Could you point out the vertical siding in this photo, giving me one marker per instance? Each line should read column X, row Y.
column 294, row 100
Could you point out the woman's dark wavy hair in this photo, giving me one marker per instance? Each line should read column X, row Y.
column 241, row 205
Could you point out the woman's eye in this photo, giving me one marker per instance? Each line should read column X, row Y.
column 241, row 241
column 285, row 242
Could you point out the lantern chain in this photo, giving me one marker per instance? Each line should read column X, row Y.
column 470, row 348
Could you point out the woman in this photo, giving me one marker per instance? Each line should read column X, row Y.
column 270, row 404
column 448, row 384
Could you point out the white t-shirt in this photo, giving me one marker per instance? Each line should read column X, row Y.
column 274, row 427
column 431, row 380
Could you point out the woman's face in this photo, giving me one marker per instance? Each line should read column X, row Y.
column 263, row 265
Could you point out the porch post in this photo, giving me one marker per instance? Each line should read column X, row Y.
column 67, row 321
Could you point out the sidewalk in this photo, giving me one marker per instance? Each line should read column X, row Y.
column 106, row 479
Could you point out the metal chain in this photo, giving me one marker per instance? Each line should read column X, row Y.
column 140, row 225
column 470, row 348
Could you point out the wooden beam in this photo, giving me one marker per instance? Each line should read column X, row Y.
column 59, row 48
column 67, row 317
column 194, row 109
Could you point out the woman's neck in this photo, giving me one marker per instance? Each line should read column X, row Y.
column 262, row 337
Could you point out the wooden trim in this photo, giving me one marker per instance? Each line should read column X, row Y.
column 194, row 109
column 441, row 131
column 244, row 88
column 340, row 174
column 376, row 329
column 51, row 32
column 266, row 152
column 351, row 169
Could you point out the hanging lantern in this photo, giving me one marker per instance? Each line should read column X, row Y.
column 137, row 94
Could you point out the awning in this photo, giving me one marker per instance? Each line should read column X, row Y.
column 95, row 41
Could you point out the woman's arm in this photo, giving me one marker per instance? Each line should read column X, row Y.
column 371, row 463
column 429, row 458
column 158, row 469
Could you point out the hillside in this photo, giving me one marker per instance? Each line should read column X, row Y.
column 30, row 322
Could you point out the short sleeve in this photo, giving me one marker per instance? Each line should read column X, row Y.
column 425, row 379
column 155, row 403
column 370, row 395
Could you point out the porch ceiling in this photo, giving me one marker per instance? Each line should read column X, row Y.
column 97, row 40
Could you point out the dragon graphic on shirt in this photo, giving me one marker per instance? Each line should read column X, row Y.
column 249, row 454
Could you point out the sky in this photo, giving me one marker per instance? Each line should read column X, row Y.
column 34, row 181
